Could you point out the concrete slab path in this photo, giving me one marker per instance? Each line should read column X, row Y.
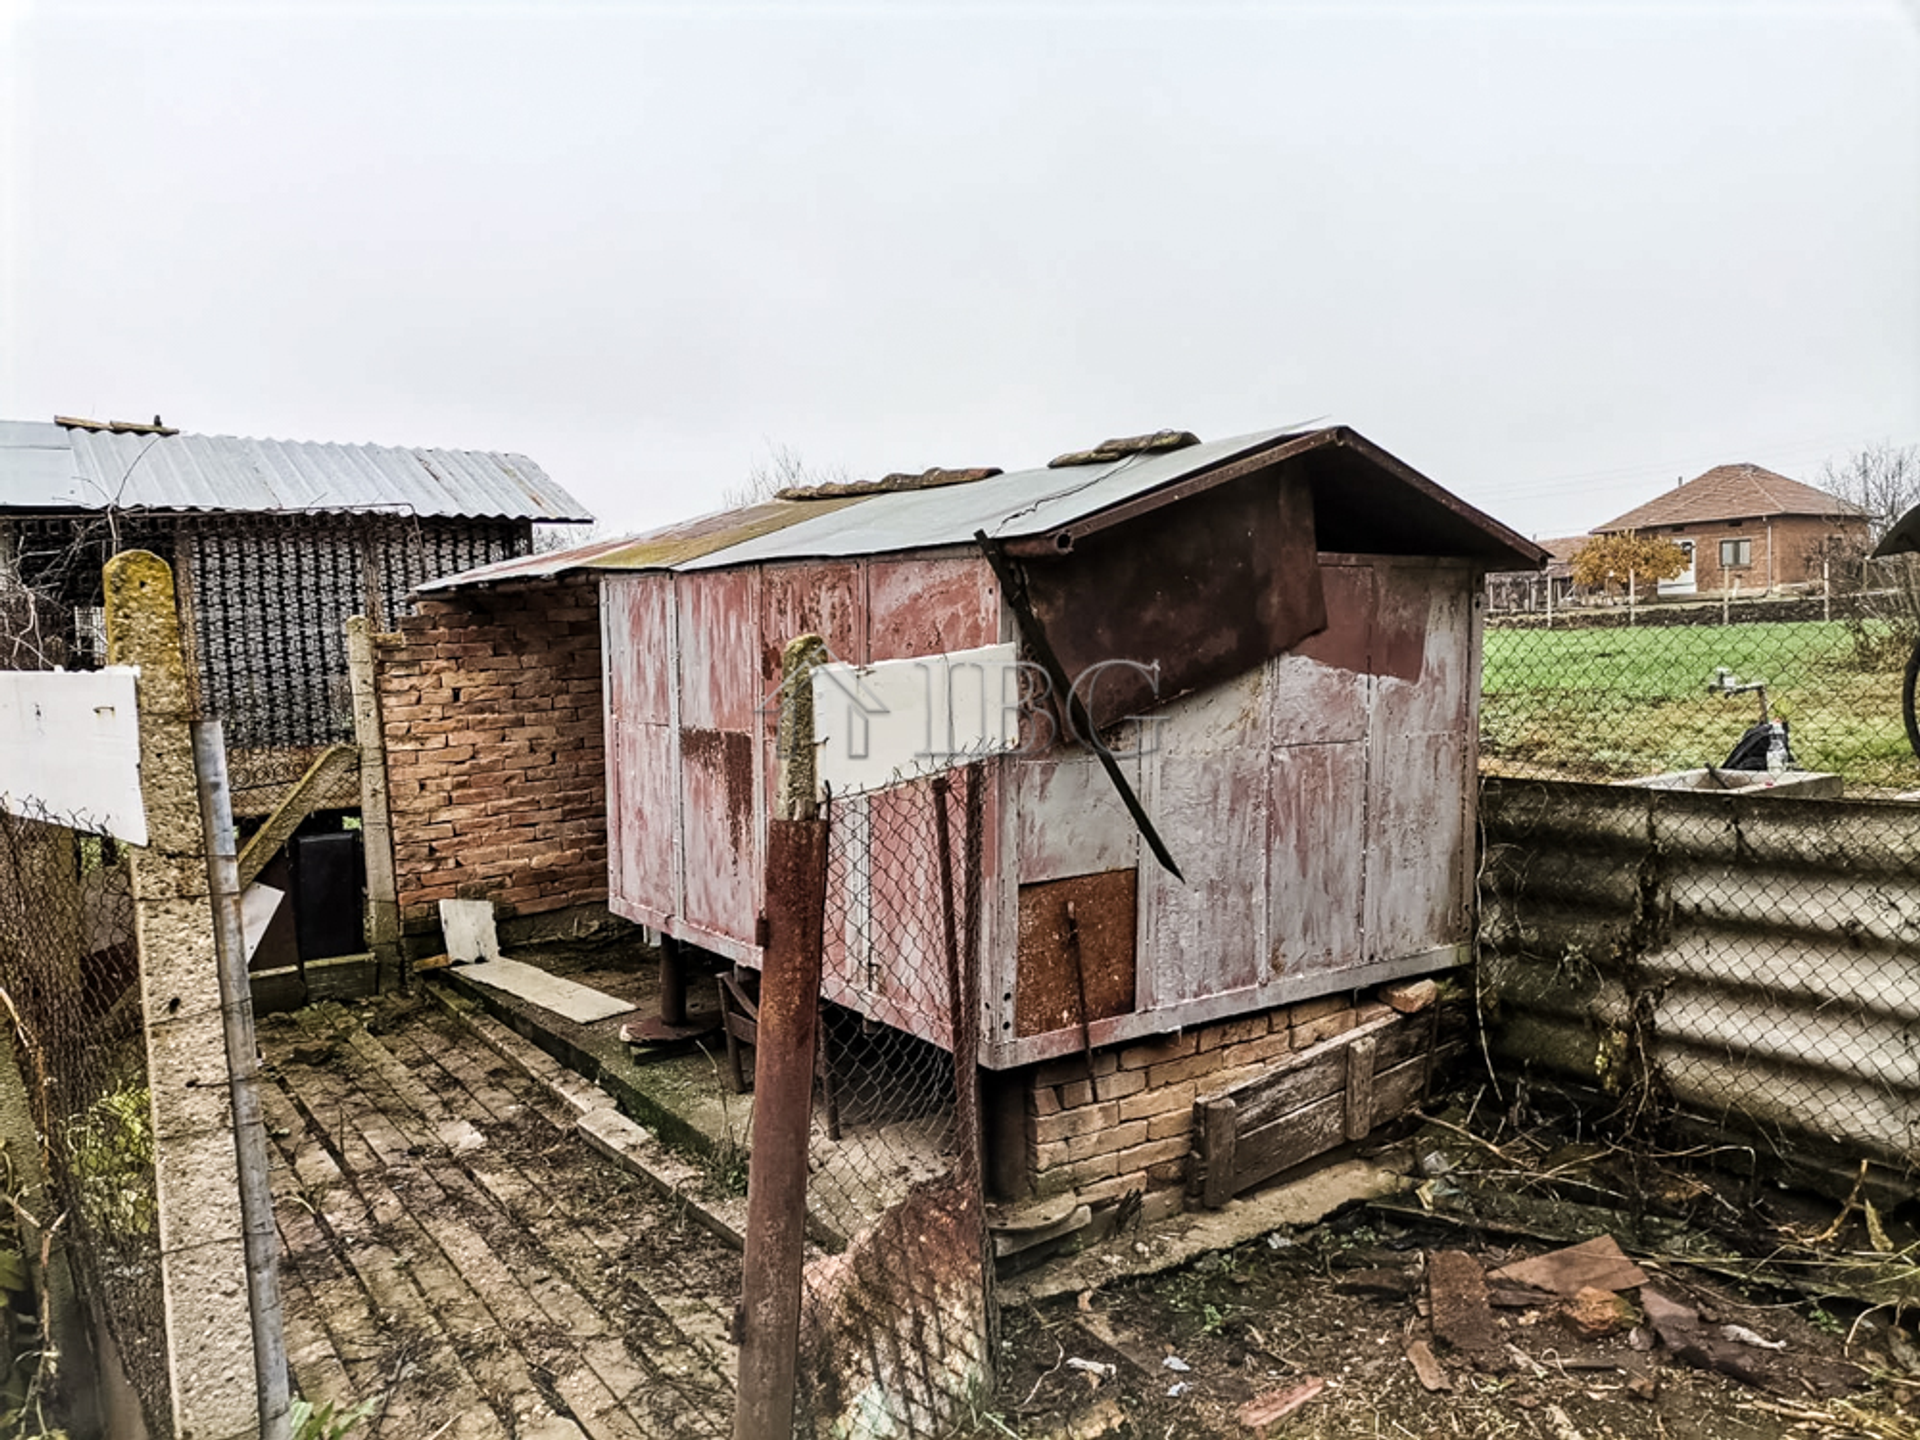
column 455, row 1251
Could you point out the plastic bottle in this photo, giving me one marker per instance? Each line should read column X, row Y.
column 1776, row 748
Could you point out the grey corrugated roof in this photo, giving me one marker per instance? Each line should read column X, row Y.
column 1026, row 502
column 51, row 467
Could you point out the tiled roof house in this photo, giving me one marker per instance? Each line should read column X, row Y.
column 1746, row 526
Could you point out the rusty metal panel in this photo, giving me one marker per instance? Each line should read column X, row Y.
column 639, row 679
column 1203, row 591
column 1090, row 957
column 721, row 816
column 721, row 837
column 1423, row 649
column 1320, row 691
column 1316, row 858
column 1206, row 789
column 822, row 597
column 1068, row 818
column 926, row 606
column 642, row 793
column 642, row 847
column 1420, row 789
column 1416, row 832
column 719, row 625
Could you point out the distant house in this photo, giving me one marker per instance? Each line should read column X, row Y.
column 1746, row 527
column 273, row 543
column 1530, row 591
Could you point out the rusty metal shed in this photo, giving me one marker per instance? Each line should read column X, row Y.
column 1311, row 604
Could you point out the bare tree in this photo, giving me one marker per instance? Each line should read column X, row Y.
column 783, row 469
column 1882, row 479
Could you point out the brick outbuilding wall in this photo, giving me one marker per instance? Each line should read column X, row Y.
column 496, row 766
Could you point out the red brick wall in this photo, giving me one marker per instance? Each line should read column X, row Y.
column 495, row 752
column 1130, row 1125
column 1794, row 558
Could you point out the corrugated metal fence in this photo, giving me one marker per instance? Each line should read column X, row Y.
column 1752, row 962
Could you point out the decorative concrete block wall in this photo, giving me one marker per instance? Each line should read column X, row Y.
column 492, row 713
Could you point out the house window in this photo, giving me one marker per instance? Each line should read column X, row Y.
column 1735, row 554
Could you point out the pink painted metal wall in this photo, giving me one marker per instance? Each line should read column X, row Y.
column 1319, row 806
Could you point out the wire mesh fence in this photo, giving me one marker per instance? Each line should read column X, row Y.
column 1696, row 920
column 1608, row 691
column 897, row 1319
column 70, row 983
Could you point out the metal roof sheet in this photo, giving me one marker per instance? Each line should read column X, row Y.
column 1026, row 502
column 1021, row 506
column 665, row 549
column 51, row 467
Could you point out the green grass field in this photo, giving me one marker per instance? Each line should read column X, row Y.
column 1616, row 702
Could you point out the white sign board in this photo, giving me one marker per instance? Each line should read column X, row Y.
column 878, row 725
column 70, row 749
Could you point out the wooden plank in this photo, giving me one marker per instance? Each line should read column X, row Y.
column 1296, row 1138
column 1218, row 1137
column 1360, row 1087
column 1297, row 1080
column 302, row 800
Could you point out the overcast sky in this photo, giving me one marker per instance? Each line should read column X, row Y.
column 1554, row 255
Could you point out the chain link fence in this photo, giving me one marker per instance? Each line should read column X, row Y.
column 1696, row 937
column 1611, row 692
column 70, row 988
column 896, row 1327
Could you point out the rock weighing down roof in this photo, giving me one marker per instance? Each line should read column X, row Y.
column 86, row 465
column 1731, row 492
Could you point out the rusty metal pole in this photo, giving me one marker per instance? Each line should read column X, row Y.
column 783, row 1069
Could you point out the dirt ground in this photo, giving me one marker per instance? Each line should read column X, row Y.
column 1342, row 1302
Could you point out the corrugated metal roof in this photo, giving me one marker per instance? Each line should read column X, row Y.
column 50, row 467
column 666, row 549
column 1026, row 502
column 1010, row 507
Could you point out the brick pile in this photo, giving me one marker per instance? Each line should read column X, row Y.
column 496, row 753
column 1129, row 1126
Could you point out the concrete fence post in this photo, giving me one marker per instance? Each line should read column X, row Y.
column 376, row 818
column 202, row 1240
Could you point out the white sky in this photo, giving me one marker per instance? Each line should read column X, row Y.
column 1554, row 255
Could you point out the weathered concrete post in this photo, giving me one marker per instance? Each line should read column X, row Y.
column 783, row 1068
column 202, row 1241
column 376, row 820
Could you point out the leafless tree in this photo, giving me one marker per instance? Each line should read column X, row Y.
column 1882, row 479
column 783, row 469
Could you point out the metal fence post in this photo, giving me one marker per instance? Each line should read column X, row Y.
column 243, row 1080
column 783, row 1069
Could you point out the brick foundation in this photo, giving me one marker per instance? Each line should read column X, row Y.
column 496, row 766
column 1129, row 1125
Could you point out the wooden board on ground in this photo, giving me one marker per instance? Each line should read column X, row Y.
column 578, row 1003
column 1309, row 1103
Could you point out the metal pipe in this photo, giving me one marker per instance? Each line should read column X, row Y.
column 673, row 982
column 783, row 1063
column 782, row 1118
column 243, row 1078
